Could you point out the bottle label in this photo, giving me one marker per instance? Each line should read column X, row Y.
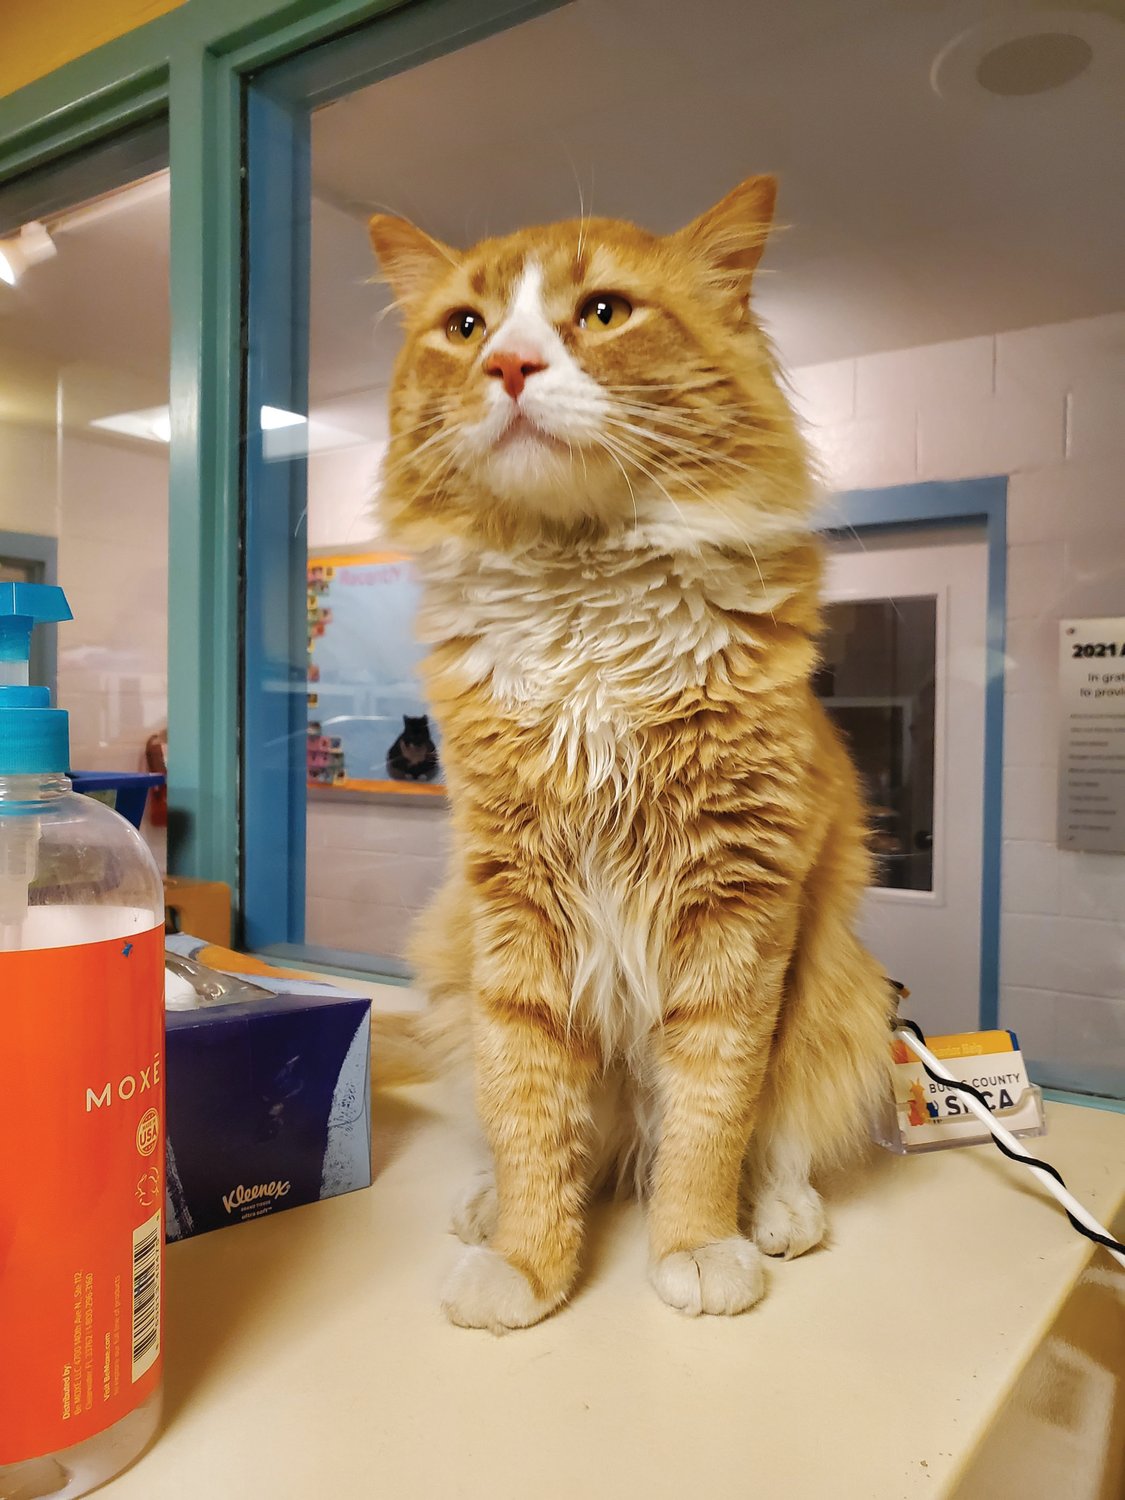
column 81, row 1189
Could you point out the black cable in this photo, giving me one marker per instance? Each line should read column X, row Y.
column 900, row 1023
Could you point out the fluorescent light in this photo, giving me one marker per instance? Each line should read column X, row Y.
column 28, row 248
column 272, row 417
column 288, row 434
column 296, row 439
column 153, row 424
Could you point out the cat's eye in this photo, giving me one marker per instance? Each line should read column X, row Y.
column 464, row 326
column 603, row 310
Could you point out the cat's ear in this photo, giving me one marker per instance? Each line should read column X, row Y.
column 410, row 259
column 728, row 239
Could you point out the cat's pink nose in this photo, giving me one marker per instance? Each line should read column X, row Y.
column 513, row 370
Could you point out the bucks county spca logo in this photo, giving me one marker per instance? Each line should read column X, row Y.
column 264, row 1194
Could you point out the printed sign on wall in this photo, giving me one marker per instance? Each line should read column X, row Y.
column 1092, row 735
column 368, row 728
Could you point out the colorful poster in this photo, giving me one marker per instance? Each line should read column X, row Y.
column 368, row 726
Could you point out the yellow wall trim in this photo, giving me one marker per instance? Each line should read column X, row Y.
column 38, row 38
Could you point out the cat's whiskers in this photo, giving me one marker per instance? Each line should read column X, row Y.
column 683, row 435
column 414, row 453
column 633, row 457
column 438, row 475
column 603, row 444
column 681, row 420
column 761, row 578
column 677, row 443
column 582, row 456
column 583, row 216
column 700, row 386
column 643, row 443
column 384, row 313
column 702, row 427
column 436, row 412
column 717, row 411
column 629, row 450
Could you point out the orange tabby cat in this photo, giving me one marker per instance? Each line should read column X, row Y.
column 646, row 937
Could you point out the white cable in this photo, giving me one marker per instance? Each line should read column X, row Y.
column 985, row 1115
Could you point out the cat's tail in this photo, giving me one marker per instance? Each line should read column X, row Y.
column 416, row 1046
column 830, row 1070
column 399, row 1054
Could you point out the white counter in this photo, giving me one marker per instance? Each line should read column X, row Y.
column 307, row 1357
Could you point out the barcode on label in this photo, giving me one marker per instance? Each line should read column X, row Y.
column 146, row 1295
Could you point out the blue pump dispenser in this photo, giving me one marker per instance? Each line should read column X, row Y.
column 34, row 737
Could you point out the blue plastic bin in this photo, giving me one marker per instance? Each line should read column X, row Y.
column 129, row 789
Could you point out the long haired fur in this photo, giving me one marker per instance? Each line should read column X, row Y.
column 646, row 942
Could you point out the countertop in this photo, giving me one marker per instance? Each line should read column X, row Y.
column 307, row 1356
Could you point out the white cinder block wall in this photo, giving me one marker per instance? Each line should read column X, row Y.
column 1045, row 406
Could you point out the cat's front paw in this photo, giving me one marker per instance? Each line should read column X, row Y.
column 723, row 1278
column 474, row 1215
column 487, row 1291
column 788, row 1222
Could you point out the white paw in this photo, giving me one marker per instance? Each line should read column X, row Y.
column 725, row 1277
column 788, row 1222
column 474, row 1217
column 486, row 1291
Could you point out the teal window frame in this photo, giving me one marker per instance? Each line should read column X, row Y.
column 203, row 70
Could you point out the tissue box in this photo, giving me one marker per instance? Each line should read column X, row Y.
column 268, row 1099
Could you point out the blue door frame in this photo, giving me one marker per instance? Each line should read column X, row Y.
column 279, row 101
column 966, row 502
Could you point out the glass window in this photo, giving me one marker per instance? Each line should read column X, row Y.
column 377, row 820
column 942, row 671
column 84, row 433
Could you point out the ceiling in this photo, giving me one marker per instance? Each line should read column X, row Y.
column 910, row 218
column 85, row 333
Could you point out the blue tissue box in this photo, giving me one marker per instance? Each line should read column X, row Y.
column 268, row 1102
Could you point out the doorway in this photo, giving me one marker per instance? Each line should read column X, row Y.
column 904, row 675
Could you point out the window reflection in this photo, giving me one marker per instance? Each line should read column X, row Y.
column 84, row 433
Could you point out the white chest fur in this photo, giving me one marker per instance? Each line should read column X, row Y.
column 587, row 639
column 583, row 641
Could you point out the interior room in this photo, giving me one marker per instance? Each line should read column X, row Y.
column 84, row 343
column 205, row 378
